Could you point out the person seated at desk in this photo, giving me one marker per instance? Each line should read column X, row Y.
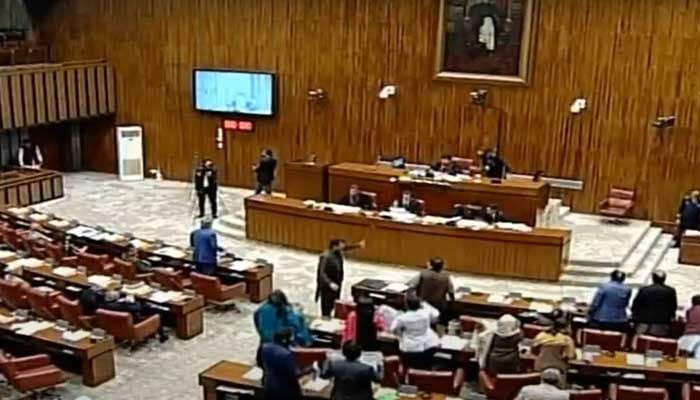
column 547, row 390
column 352, row 379
column 468, row 211
column 356, row 198
column 29, row 155
column 492, row 165
column 92, row 299
column 281, row 375
column 689, row 343
column 409, row 203
column 131, row 255
column 608, row 310
column 491, row 215
column 435, row 287
column 688, row 216
column 554, row 347
column 276, row 313
column 363, row 324
column 498, row 349
column 446, row 166
column 417, row 340
column 654, row 307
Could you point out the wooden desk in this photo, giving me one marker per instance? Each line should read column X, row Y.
column 668, row 371
column 22, row 187
column 230, row 374
column 540, row 254
column 519, row 199
column 96, row 358
column 306, row 180
column 690, row 250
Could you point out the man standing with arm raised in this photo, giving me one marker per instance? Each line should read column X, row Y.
column 330, row 273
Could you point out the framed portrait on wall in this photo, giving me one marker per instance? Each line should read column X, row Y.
column 489, row 41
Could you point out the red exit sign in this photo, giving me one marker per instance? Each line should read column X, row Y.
column 237, row 125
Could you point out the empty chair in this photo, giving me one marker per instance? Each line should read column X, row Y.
column 305, row 357
column 56, row 252
column 644, row 343
column 444, row 382
column 95, row 264
column 173, row 280
column 589, row 394
column 36, row 250
column 619, row 204
column 505, row 386
column 214, row 291
column 44, row 303
column 31, row 374
column 393, row 373
column 121, row 325
column 13, row 294
column 532, row 330
column 72, row 312
column 623, row 392
column 343, row 308
column 469, row 324
column 691, row 392
column 12, row 238
column 129, row 271
column 607, row 340
column 373, row 197
column 464, row 164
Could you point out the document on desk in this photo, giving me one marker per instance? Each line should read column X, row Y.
column 38, row 217
column 542, row 308
column 65, row 272
column 692, row 233
column 328, row 326
column 75, row 336
column 140, row 244
column 137, row 289
column 635, row 360
column 341, row 209
column 316, row 385
column 59, row 223
column 19, row 210
column 473, row 225
column 241, row 265
column 692, row 364
column 171, row 252
column 7, row 319
column 454, row 343
column 254, row 374
column 496, row 298
column 82, row 231
column 102, row 281
column 32, row 327
column 6, row 255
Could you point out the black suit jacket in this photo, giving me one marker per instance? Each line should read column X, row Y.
column 330, row 270
column 655, row 304
column 352, row 380
column 362, row 200
column 266, row 170
column 413, row 206
column 199, row 175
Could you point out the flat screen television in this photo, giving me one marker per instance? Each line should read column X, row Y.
column 234, row 92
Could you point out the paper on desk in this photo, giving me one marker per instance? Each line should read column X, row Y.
column 316, row 385
column 33, row 263
column 692, row 232
column 253, row 374
column 7, row 319
column 693, row 364
column 59, row 223
column 510, row 226
column 102, row 281
column 137, row 289
column 341, row 209
column 496, row 298
column 113, row 237
column 140, row 244
column 32, row 327
column 241, row 265
column 6, row 255
column 171, row 252
column 82, row 231
column 636, row 360
column 473, row 225
column 396, row 287
column 24, row 262
column 328, row 326
column 65, row 272
column 542, row 308
column 19, row 210
column 455, row 343
column 38, row 217
column 75, row 336
column 165, row 297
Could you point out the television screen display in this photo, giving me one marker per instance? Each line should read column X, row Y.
column 234, row 92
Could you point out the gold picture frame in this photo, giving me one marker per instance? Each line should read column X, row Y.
column 486, row 56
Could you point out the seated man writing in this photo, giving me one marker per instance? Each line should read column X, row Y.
column 357, row 198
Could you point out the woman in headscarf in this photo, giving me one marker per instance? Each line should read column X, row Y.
column 277, row 314
column 498, row 350
column 554, row 347
column 363, row 324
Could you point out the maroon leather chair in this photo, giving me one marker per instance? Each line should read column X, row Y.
column 443, row 382
column 372, row 196
column 31, row 374
column 643, row 343
column 607, row 340
column 13, row 294
column 393, row 372
column 121, row 325
column 691, row 392
column 128, row 270
column 43, row 303
column 95, row 264
column 173, row 280
column 305, row 357
column 214, row 291
column 532, row 330
column 589, row 394
column 619, row 204
column 13, row 239
column 343, row 308
column 469, row 324
column 637, row 393
column 71, row 311
column 505, row 386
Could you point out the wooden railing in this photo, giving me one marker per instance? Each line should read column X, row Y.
column 39, row 94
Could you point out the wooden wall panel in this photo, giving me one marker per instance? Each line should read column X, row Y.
column 81, row 80
column 17, row 100
column 29, row 102
column 61, row 95
column 72, row 94
column 91, row 91
column 632, row 59
column 51, row 96
column 40, row 96
column 5, row 106
column 101, row 90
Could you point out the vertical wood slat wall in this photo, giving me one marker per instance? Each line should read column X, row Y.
column 44, row 94
column 633, row 60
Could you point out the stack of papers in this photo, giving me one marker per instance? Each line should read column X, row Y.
column 171, row 252
column 254, row 374
column 473, row 224
column 454, row 343
column 341, row 209
column 242, row 265
column 165, row 297
column 542, row 308
column 65, row 272
column 102, row 281
column 496, row 298
column 19, row 210
column 37, row 217
column 32, row 327
column 75, row 336
column 82, row 231
column 636, row 360
column 432, row 220
column 59, row 223
column 691, row 232
column 7, row 319
column 6, row 255
column 693, row 364
column 513, row 227
column 328, row 326
column 113, row 237
column 33, row 263
column 396, row 287
column 138, row 289
column 140, row 244
column 316, row 385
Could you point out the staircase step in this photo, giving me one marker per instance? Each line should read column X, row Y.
column 227, row 231
column 643, row 275
column 564, row 211
column 232, row 221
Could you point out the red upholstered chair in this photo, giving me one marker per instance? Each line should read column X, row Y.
column 607, row 340
column 305, row 357
column 343, row 308
column 443, row 382
column 128, row 270
column 174, row 280
column 393, row 372
column 31, row 374
column 95, row 264
column 637, row 393
column 421, row 207
column 36, row 250
column 505, row 386
column 589, row 394
column 56, row 252
column 71, row 311
column 13, row 294
column 465, row 164
column 691, row 392
column 372, row 196
column 619, row 204
column 643, row 343
column 532, row 330
column 13, row 239
column 121, row 325
column 469, row 324
column 214, row 291
column 44, row 303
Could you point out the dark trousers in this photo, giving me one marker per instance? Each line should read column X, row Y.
column 263, row 187
column 205, row 268
column 422, row 360
column 658, row 330
column 328, row 298
column 202, row 196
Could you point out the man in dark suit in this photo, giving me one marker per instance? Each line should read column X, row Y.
column 265, row 172
column 688, row 216
column 281, row 379
column 409, row 203
column 330, row 273
column 493, row 165
column 206, row 185
column 352, row 380
column 445, row 165
column 356, row 198
column 435, row 287
column 492, row 215
column 654, row 307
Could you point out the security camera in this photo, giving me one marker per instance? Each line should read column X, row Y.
column 387, row 91
column 664, row 122
column 479, row 96
column 578, row 105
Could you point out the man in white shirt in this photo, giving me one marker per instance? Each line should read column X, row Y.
column 29, row 155
column 547, row 390
column 417, row 340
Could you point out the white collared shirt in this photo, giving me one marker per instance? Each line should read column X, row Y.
column 415, row 333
